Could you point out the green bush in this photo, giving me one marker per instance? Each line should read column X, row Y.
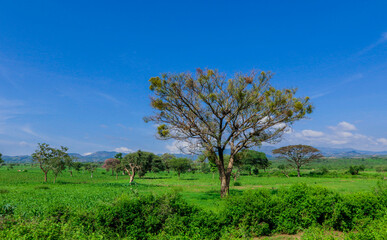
column 252, row 214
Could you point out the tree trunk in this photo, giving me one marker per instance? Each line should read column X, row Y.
column 116, row 175
column 112, row 172
column 178, row 174
column 298, row 171
column 54, row 179
column 45, row 176
column 91, row 175
column 225, row 186
column 131, row 178
column 250, row 172
column 71, row 173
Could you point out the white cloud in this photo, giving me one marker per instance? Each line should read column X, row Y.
column 87, row 154
column 382, row 141
column 311, row 133
column 123, row 150
column 344, row 134
column 343, row 127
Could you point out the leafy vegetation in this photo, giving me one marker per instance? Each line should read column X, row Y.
column 160, row 206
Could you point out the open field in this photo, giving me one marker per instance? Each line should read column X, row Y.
column 26, row 190
column 33, row 205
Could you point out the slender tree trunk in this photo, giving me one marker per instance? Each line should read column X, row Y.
column 54, row 178
column 298, row 171
column 112, row 172
column 45, row 176
column 131, row 177
column 178, row 174
column 225, row 186
column 71, row 173
column 116, row 175
column 250, row 172
column 91, row 175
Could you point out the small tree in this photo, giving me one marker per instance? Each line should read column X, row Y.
column 180, row 165
column 165, row 159
column 298, row 155
column 284, row 169
column 354, row 170
column 250, row 159
column 137, row 163
column 111, row 163
column 59, row 161
column 90, row 167
column 43, row 156
column 77, row 166
column 1, row 160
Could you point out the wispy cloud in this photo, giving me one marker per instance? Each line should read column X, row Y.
column 109, row 98
column 381, row 40
column 339, row 84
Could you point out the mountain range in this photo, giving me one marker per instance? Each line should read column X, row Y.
column 100, row 156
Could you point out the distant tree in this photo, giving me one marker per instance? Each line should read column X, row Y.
column 77, row 166
column 354, row 170
column 250, row 160
column 43, row 156
column 59, row 161
column 157, row 164
column 1, row 160
column 298, row 155
column 111, row 164
column 206, row 156
column 211, row 112
column 165, row 159
column 137, row 163
column 118, row 156
column 70, row 164
column 180, row 165
column 284, row 169
column 90, row 167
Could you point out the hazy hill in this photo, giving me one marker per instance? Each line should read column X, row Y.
column 102, row 155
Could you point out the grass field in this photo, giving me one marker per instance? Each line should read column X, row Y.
column 23, row 187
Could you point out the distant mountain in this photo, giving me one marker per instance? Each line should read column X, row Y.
column 103, row 155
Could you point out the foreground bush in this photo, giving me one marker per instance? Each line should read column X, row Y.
column 259, row 213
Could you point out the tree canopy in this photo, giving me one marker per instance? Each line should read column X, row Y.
column 298, row 155
column 180, row 165
column 51, row 159
column 208, row 111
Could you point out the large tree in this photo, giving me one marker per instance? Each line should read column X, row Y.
column 298, row 155
column 208, row 111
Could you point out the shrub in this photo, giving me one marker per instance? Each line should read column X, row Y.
column 354, row 170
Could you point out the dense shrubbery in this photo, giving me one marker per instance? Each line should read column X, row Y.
column 258, row 213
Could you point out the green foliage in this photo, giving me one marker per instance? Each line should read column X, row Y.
column 250, row 160
column 51, row 159
column 101, row 208
column 180, row 165
column 354, row 170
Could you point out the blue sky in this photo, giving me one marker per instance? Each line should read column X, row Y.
column 75, row 73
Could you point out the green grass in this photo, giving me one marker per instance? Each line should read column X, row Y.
column 26, row 191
